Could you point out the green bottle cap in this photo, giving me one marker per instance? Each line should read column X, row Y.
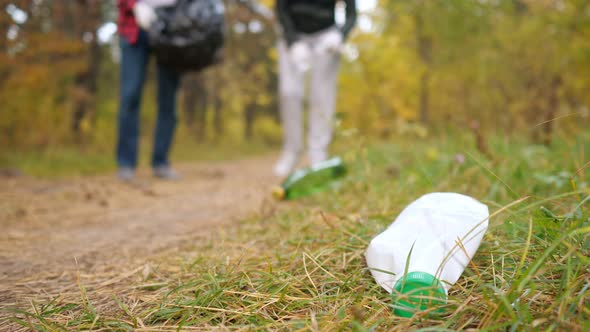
column 417, row 291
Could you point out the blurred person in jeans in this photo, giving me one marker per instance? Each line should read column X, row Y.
column 136, row 16
column 311, row 41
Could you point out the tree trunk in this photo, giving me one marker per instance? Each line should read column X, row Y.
column 552, row 106
column 195, row 104
column 249, row 117
column 189, row 100
column 218, row 117
column 424, row 44
column 5, row 23
column 58, row 16
column 425, row 97
column 86, row 81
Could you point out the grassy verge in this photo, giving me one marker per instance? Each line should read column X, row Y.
column 301, row 268
column 67, row 161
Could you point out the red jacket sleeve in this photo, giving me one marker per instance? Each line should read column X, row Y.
column 127, row 25
column 126, row 4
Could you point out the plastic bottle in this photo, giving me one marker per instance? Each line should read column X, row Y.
column 310, row 180
column 426, row 249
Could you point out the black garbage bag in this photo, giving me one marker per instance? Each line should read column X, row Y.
column 189, row 35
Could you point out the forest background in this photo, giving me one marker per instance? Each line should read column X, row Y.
column 411, row 67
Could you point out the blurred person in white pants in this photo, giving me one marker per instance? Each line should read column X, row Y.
column 311, row 42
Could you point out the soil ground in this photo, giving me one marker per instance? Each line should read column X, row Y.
column 57, row 231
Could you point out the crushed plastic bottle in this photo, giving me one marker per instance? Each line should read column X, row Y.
column 426, row 249
column 307, row 181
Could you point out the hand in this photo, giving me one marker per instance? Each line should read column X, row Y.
column 332, row 41
column 300, row 54
column 145, row 15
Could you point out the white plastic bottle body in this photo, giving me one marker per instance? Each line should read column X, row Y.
column 442, row 230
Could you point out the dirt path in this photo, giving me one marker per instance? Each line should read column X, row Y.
column 89, row 225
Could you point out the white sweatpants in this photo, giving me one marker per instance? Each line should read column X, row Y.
column 322, row 97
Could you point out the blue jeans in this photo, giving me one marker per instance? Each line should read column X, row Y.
column 134, row 61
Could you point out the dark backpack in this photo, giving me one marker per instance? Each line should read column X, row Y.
column 189, row 35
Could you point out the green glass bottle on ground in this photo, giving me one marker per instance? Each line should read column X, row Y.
column 307, row 181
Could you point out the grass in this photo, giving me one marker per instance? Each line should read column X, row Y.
column 59, row 162
column 300, row 267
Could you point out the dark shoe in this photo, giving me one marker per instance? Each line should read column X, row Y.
column 126, row 174
column 166, row 173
